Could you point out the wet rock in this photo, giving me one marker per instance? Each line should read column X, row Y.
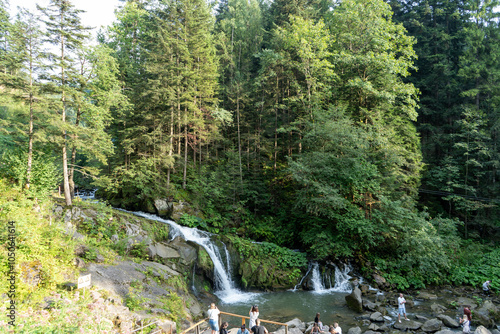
column 464, row 301
column 383, row 328
column 377, row 317
column 366, row 323
column 488, row 309
column 427, row 296
column 407, row 325
column 482, row 330
column 483, row 320
column 382, row 310
column 448, row 321
column 445, row 331
column 368, row 305
column 354, row 301
column 354, row 330
column 437, row 308
column 431, row 326
column 373, row 327
column 421, row 318
column 365, row 289
column 371, row 332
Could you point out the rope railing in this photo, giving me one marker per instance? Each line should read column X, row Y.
column 196, row 326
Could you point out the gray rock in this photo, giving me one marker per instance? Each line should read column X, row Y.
column 379, row 280
column 296, row 323
column 482, row 330
column 166, row 252
column 445, row 331
column 163, row 207
column 421, row 317
column 79, row 263
column 167, row 326
column 448, row 321
column 368, row 305
column 495, row 331
column 427, row 296
column 373, row 327
column 187, row 252
column 354, row 330
column 354, row 301
column 371, row 332
column 438, row 309
column 377, row 317
column 383, row 328
column 432, row 325
column 387, row 318
column 407, row 325
column 115, row 278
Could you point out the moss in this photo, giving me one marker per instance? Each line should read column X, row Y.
column 204, row 260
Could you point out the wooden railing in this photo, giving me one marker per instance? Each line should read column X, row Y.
column 196, row 326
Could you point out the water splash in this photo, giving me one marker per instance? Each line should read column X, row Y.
column 342, row 278
column 225, row 288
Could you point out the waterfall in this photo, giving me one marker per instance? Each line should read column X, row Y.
column 224, row 286
column 302, row 280
column 342, row 277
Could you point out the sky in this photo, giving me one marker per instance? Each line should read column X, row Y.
column 97, row 12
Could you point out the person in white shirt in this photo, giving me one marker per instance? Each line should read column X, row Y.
column 337, row 329
column 401, row 307
column 213, row 318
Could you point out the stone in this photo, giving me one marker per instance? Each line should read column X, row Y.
column 437, row 308
column 377, row 317
column 482, row 330
column 448, row 321
column 168, row 326
column 373, row 327
column 79, row 263
column 495, row 331
column 354, row 301
column 445, row 331
column 379, row 280
column 407, row 325
column 488, row 309
column 421, row 317
column 432, row 325
column 163, row 207
column 296, row 323
column 427, row 296
column 166, row 252
column 370, row 306
column 371, row 332
column 354, row 330
column 69, row 286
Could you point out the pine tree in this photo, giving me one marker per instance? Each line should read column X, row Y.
column 64, row 30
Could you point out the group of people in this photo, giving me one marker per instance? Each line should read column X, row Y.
column 255, row 326
column 319, row 328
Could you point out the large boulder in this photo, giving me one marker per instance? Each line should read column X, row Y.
column 354, row 330
column 370, row 306
column 432, row 325
column 437, row 308
column 407, row 325
column 379, row 281
column 448, row 321
column 489, row 310
column 296, row 323
column 427, row 296
column 445, row 331
column 377, row 317
column 354, row 301
column 481, row 330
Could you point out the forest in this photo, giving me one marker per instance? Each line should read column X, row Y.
column 353, row 130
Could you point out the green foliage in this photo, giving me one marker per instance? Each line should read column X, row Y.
column 45, row 176
column 283, row 257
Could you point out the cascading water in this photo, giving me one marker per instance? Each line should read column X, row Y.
column 341, row 280
column 224, row 286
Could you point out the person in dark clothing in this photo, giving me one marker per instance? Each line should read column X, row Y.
column 223, row 328
column 258, row 329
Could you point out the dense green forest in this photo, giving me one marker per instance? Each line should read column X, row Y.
column 360, row 130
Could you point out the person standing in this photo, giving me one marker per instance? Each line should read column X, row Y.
column 468, row 313
column 401, row 307
column 258, row 329
column 254, row 314
column 465, row 324
column 213, row 318
column 486, row 287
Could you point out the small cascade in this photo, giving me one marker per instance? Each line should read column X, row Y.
column 341, row 283
column 316, row 279
column 302, row 280
column 224, row 287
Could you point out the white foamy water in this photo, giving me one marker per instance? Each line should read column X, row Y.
column 224, row 287
column 322, row 285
